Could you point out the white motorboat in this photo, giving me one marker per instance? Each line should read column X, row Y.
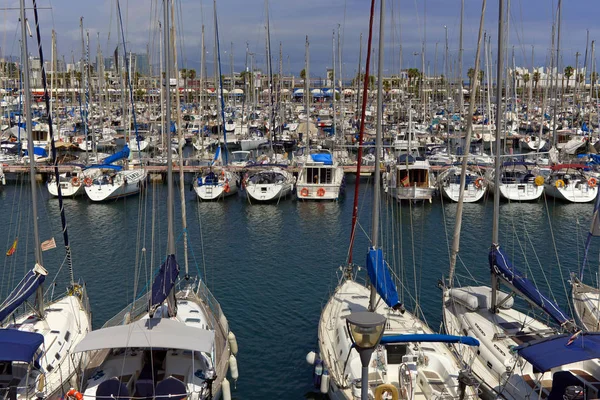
column 411, row 179
column 320, row 177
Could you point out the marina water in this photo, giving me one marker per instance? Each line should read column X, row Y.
column 272, row 266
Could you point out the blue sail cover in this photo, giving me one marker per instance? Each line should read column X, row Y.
column 18, row 345
column 322, row 158
column 21, row 293
column 164, row 281
column 545, row 354
column 119, row 155
column 501, row 266
column 380, row 276
column 430, row 338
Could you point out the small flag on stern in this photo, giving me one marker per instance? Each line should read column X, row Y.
column 13, row 248
column 48, row 244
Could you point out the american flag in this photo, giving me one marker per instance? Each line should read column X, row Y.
column 48, row 244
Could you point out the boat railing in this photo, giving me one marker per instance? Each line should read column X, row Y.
column 129, row 313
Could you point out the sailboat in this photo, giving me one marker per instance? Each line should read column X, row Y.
column 450, row 182
column 168, row 343
column 410, row 359
column 36, row 347
column 519, row 357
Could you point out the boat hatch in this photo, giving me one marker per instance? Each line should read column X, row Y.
column 395, row 352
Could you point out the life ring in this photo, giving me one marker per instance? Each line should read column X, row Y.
column 592, row 182
column 74, row 394
column 321, row 192
column 539, row 180
column 226, row 188
column 386, row 388
column 88, row 181
column 559, row 184
column 527, row 139
column 75, row 181
column 479, row 183
column 304, row 192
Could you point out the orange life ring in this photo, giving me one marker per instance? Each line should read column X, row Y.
column 527, row 139
column 321, row 192
column 479, row 183
column 226, row 188
column 592, row 182
column 75, row 181
column 304, row 192
column 74, row 394
column 88, row 181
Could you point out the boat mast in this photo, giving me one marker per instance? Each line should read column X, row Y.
column 39, row 299
column 335, row 132
column 378, row 142
column 307, row 90
column 83, row 111
column 497, row 163
column 460, row 58
column 166, row 128
column 459, row 209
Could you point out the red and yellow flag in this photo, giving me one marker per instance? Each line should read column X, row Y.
column 13, row 248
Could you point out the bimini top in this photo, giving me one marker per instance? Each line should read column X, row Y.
column 545, row 354
column 158, row 333
column 18, row 345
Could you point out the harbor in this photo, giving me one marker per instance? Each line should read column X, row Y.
column 208, row 206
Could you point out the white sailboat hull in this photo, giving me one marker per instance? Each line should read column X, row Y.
column 126, row 183
column 252, row 144
column 226, row 186
column 269, row 191
column 519, row 191
column 581, row 193
column 472, row 193
column 67, row 188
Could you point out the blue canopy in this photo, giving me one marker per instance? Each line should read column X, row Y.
column 164, row 281
column 105, row 166
column 21, row 292
column 548, row 353
column 502, row 267
column 380, row 276
column 430, row 338
column 18, row 345
column 120, row 155
column 324, row 158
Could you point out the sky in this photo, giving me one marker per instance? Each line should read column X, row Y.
column 408, row 23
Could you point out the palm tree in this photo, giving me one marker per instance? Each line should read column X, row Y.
column 593, row 79
column 568, row 74
column 536, row 79
column 526, row 78
column 471, row 75
column 303, row 74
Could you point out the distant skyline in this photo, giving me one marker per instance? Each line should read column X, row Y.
column 242, row 22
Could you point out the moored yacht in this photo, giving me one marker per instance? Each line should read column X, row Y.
column 475, row 185
column 411, row 179
column 212, row 186
column 569, row 182
column 518, row 182
column 320, row 177
column 268, row 184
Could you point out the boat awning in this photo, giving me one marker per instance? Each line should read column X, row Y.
column 18, row 345
column 545, row 354
column 160, row 333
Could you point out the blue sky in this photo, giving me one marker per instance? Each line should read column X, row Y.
column 242, row 22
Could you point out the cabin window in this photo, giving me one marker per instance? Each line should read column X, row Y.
column 57, row 356
column 67, row 336
column 194, row 311
column 489, row 364
column 194, row 320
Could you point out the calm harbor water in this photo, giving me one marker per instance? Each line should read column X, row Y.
column 272, row 266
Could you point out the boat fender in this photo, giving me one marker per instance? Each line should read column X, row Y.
column 311, row 357
column 383, row 392
column 539, row 180
column 74, row 394
column 479, row 183
column 592, row 182
column 559, row 184
column 226, row 389
column 324, row 388
column 233, row 368
column 232, row 342
column 318, row 373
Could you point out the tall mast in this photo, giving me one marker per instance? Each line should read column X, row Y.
column 83, row 111
column 460, row 57
column 30, row 151
column 558, row 17
column 335, row 132
column 497, row 163
column 359, row 71
column 167, row 127
column 378, row 142
column 307, row 90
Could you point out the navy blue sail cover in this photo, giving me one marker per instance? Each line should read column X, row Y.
column 430, row 338
column 21, row 293
column 164, row 281
column 502, row 267
column 120, row 155
column 545, row 354
column 18, row 345
column 380, row 277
